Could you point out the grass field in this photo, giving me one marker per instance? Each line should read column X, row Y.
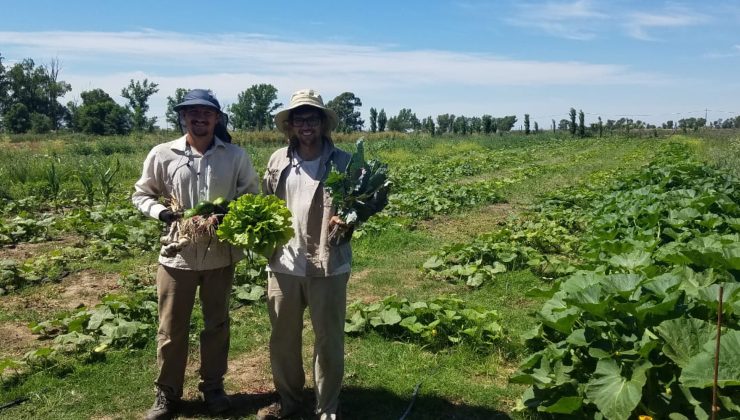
column 69, row 255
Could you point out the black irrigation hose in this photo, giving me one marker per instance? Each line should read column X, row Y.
column 411, row 404
column 13, row 403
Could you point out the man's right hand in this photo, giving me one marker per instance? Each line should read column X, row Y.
column 168, row 216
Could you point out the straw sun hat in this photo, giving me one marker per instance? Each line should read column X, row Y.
column 305, row 97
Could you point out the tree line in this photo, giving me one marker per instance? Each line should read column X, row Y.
column 30, row 93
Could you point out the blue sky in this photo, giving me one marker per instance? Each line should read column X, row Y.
column 647, row 60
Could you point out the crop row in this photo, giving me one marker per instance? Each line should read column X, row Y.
column 627, row 328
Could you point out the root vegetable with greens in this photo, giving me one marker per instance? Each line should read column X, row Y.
column 201, row 220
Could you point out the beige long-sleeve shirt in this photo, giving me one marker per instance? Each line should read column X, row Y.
column 176, row 171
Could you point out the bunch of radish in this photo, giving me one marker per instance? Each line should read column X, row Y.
column 201, row 220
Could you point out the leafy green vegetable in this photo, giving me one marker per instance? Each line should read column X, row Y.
column 260, row 223
column 361, row 190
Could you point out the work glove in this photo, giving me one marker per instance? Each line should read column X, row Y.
column 168, row 216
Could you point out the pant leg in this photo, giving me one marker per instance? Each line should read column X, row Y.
column 175, row 297
column 215, row 291
column 327, row 302
column 286, row 304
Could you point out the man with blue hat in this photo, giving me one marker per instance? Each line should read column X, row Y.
column 200, row 165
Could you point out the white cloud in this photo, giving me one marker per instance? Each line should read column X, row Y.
column 230, row 63
column 587, row 19
column 733, row 51
column 639, row 24
column 254, row 55
column 572, row 20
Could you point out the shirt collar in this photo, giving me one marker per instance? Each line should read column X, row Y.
column 181, row 144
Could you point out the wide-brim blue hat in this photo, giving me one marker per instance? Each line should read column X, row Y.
column 198, row 97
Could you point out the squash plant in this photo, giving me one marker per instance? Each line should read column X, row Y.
column 633, row 332
column 438, row 323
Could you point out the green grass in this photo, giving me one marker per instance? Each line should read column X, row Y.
column 721, row 148
column 120, row 386
column 380, row 374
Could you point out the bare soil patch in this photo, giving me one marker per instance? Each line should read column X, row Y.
column 17, row 339
column 462, row 227
column 250, row 373
column 84, row 287
column 25, row 250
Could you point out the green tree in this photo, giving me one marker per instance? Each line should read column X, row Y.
column 601, row 128
column 505, row 123
column 254, row 108
column 36, row 87
column 4, row 86
column 460, row 125
column 487, row 123
column 55, row 89
column 581, row 124
column 572, row 125
column 444, row 123
column 427, row 125
column 526, row 124
column 17, row 119
column 172, row 117
column 405, row 121
column 344, row 106
column 373, row 120
column 138, row 95
column 476, row 125
column 100, row 114
column 564, row 125
column 382, row 120
column 40, row 123
column 536, row 127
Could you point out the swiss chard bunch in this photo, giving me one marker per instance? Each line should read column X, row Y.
column 259, row 223
column 361, row 190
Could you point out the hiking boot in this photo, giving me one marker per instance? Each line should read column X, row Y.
column 216, row 400
column 162, row 409
column 275, row 411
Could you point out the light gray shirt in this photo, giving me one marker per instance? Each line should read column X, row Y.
column 310, row 253
column 175, row 171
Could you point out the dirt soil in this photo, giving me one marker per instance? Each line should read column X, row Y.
column 84, row 287
column 17, row 339
column 457, row 228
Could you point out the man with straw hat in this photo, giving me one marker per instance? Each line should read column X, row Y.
column 201, row 165
column 309, row 271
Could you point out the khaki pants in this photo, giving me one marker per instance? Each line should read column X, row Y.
column 326, row 298
column 176, row 296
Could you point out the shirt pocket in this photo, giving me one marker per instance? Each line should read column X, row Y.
column 221, row 182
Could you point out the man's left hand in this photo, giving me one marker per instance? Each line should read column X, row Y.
column 337, row 221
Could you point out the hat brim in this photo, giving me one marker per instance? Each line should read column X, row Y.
column 282, row 124
column 195, row 102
